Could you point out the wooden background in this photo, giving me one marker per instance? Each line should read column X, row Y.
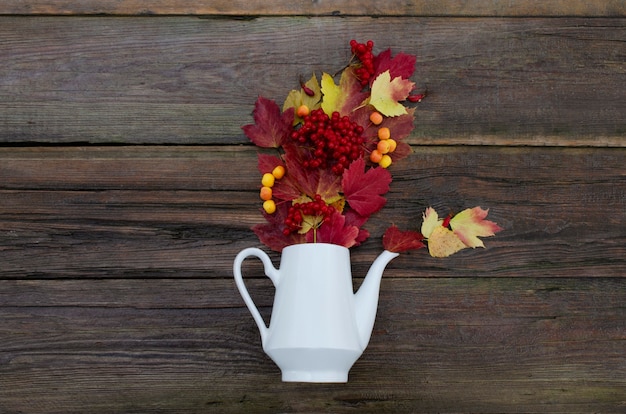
column 127, row 188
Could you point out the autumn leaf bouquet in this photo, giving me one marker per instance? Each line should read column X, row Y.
column 326, row 156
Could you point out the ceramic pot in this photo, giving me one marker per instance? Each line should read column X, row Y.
column 318, row 327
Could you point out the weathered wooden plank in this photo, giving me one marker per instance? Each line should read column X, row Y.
column 342, row 7
column 169, row 211
column 190, row 80
column 479, row 345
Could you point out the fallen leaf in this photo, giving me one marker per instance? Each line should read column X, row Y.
column 470, row 224
column 335, row 231
column 398, row 241
column 442, row 242
column 271, row 127
column 430, row 221
column 299, row 97
column 386, row 94
column 343, row 98
column 271, row 233
column 363, row 189
column 401, row 65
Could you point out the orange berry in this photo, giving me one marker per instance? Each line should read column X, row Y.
column 278, row 172
column 266, row 193
column 383, row 146
column 385, row 161
column 303, row 111
column 376, row 118
column 384, row 133
column 267, row 180
column 269, row 206
column 376, row 156
column 392, row 144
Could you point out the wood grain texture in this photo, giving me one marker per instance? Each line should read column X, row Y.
column 127, row 187
column 183, row 80
column 463, row 345
column 337, row 8
column 167, row 211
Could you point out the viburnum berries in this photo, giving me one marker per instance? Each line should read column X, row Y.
column 331, row 141
column 363, row 52
column 333, row 144
column 307, row 215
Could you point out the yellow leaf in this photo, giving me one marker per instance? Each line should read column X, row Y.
column 386, row 94
column 310, row 222
column 339, row 204
column 295, row 98
column 470, row 224
column 332, row 94
column 431, row 221
column 303, row 198
column 443, row 242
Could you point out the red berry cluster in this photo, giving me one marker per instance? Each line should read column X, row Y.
column 295, row 216
column 332, row 142
column 363, row 52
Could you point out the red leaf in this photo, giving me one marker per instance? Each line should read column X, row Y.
column 267, row 163
column 398, row 241
column 402, row 125
column 402, row 151
column 271, row 233
column 402, row 65
column 363, row 189
column 399, row 126
column 271, row 127
column 335, row 231
column 353, row 219
column 310, row 182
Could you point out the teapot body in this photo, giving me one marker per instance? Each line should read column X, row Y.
column 315, row 332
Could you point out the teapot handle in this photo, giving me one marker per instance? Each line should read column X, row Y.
column 270, row 271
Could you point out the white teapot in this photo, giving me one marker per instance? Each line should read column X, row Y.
column 319, row 327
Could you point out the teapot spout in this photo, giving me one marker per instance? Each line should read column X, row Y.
column 366, row 298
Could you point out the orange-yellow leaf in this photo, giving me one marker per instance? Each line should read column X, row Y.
column 470, row 224
column 387, row 93
column 443, row 242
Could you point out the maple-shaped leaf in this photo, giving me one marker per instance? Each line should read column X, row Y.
column 311, row 97
column 363, row 189
column 267, row 163
column 401, row 126
column 311, row 182
column 386, row 94
column 401, row 65
column 354, row 219
column 271, row 126
column 310, row 222
column 470, row 224
column 271, row 233
column 398, row 241
column 342, row 98
column 335, row 231
column 442, row 242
